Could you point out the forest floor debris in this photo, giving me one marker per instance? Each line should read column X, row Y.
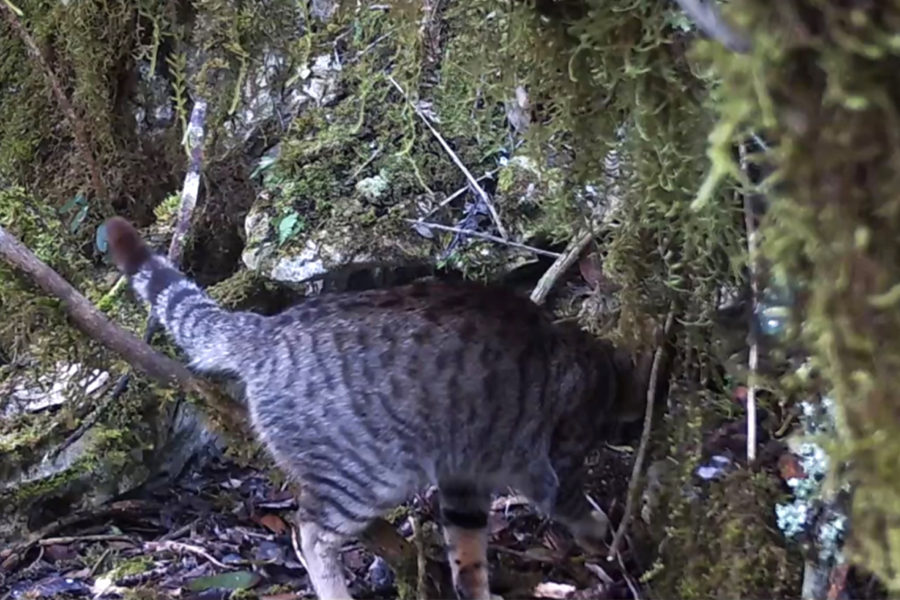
column 228, row 528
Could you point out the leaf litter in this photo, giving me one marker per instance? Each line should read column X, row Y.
column 226, row 529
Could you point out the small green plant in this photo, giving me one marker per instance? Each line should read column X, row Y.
column 289, row 225
column 166, row 210
column 78, row 206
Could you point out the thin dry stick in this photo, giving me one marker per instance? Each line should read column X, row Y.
column 99, row 562
column 562, row 264
column 79, row 131
column 483, row 195
column 632, row 586
column 645, row 440
column 753, row 362
column 484, row 236
column 170, row 546
column 455, row 195
column 71, row 539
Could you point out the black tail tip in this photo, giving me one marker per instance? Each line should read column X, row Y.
column 126, row 247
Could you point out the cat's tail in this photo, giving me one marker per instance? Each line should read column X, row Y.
column 212, row 338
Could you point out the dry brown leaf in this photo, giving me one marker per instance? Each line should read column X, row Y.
column 790, row 468
column 591, row 269
column 273, row 523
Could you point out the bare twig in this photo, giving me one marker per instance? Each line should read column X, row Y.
column 99, row 562
column 455, row 195
column 483, row 195
column 79, row 130
column 89, row 319
column 638, row 465
column 706, row 15
column 562, row 264
column 484, row 236
column 181, row 531
column 753, row 362
column 170, row 546
column 72, row 539
column 365, row 164
column 525, row 555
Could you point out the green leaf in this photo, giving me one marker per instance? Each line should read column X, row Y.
column 236, row 580
column 286, row 226
column 77, row 200
column 100, row 239
column 79, row 218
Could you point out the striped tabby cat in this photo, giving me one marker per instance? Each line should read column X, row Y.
column 367, row 397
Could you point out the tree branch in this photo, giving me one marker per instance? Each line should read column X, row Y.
column 95, row 324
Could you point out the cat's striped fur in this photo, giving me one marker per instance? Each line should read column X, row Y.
column 367, row 397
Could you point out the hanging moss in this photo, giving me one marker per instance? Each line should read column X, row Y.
column 823, row 85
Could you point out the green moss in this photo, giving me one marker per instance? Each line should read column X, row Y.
column 131, row 566
column 28, row 493
column 717, row 539
column 826, row 99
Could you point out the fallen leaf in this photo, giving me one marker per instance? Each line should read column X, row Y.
column 273, row 523
column 236, row 580
column 790, row 468
column 549, row 589
column 56, row 552
column 591, row 269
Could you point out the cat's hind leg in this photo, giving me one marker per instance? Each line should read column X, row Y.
column 464, row 512
column 329, row 514
column 321, row 550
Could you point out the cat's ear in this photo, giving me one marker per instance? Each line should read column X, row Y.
column 126, row 247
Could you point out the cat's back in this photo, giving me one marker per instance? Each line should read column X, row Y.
column 436, row 304
column 429, row 336
column 448, row 375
